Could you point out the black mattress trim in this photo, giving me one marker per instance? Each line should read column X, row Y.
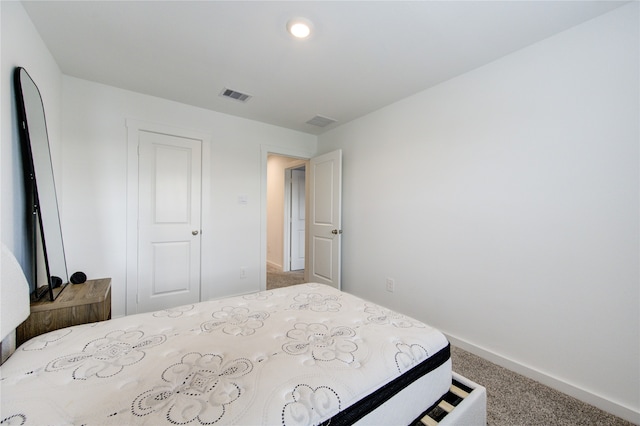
column 366, row 405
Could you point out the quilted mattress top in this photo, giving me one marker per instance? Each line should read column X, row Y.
column 292, row 356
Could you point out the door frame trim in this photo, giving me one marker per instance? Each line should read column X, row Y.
column 133, row 129
column 265, row 150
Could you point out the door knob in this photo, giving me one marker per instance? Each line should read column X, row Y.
column 194, row 232
column 336, row 231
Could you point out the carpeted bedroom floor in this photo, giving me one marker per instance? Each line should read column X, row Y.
column 276, row 278
column 512, row 399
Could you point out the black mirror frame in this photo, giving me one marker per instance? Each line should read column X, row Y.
column 35, row 221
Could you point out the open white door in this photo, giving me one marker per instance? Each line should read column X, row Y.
column 325, row 227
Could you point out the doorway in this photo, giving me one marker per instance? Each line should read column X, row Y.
column 286, row 207
column 323, row 208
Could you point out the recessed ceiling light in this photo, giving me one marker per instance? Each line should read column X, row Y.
column 299, row 27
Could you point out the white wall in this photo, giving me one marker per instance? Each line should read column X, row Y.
column 94, row 206
column 505, row 202
column 21, row 46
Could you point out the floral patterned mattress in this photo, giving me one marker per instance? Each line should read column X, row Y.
column 293, row 356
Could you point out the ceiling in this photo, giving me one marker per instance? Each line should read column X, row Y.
column 361, row 56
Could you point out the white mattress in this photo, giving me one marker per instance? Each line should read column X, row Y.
column 293, row 356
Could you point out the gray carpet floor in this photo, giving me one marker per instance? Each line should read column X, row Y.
column 512, row 399
column 276, row 278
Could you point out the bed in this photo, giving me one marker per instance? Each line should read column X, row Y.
column 300, row 355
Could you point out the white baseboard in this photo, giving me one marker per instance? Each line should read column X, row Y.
column 602, row 403
column 275, row 265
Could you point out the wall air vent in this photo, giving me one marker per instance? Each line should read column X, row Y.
column 321, row 121
column 236, row 96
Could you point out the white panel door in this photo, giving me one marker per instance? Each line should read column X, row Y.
column 325, row 229
column 297, row 219
column 168, row 220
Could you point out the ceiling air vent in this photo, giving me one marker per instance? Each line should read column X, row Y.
column 236, row 96
column 321, row 121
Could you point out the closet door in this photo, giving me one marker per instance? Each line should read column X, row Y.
column 169, row 220
column 297, row 220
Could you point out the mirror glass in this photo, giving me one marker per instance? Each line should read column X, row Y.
column 39, row 180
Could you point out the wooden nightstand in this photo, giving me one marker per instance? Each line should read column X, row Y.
column 76, row 304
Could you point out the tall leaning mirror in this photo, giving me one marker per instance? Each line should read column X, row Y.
column 43, row 225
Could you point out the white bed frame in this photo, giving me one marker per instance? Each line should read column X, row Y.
column 14, row 303
column 471, row 411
